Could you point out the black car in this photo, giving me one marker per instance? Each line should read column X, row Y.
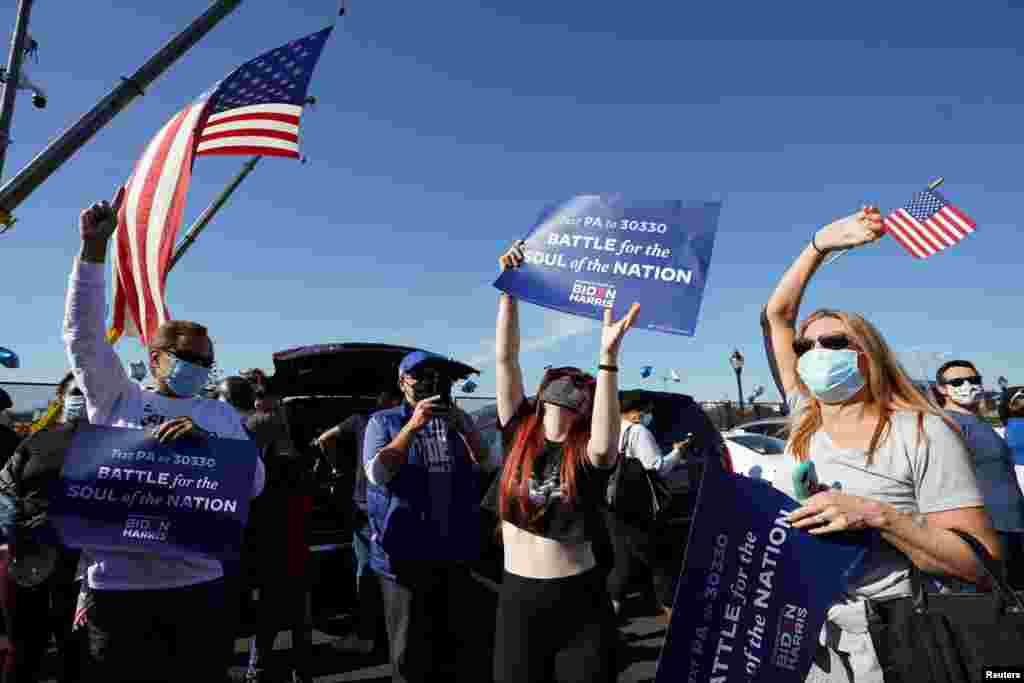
column 320, row 386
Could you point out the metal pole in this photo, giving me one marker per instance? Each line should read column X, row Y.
column 207, row 215
column 13, row 75
column 15, row 191
column 739, row 386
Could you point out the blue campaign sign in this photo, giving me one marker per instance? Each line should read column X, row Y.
column 603, row 251
column 754, row 592
column 121, row 489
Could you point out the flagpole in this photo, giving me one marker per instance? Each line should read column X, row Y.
column 207, row 215
column 13, row 76
column 933, row 185
column 16, row 190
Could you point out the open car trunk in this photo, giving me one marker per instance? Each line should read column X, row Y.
column 322, row 385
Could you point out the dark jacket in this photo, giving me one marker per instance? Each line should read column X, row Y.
column 403, row 530
column 25, row 482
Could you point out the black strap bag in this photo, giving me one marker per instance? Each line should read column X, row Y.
column 949, row 637
column 637, row 495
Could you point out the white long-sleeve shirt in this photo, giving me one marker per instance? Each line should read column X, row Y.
column 643, row 446
column 114, row 400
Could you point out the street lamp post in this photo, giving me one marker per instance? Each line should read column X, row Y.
column 736, row 360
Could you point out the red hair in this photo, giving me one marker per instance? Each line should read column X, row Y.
column 528, row 442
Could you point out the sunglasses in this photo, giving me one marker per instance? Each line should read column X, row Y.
column 959, row 381
column 832, row 342
column 194, row 358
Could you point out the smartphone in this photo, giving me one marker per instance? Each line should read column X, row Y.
column 805, row 480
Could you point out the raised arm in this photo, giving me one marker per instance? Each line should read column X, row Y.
column 97, row 368
column 509, row 375
column 603, row 447
column 780, row 314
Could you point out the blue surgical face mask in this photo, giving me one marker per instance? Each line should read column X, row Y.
column 832, row 376
column 186, row 379
column 74, row 408
column 646, row 419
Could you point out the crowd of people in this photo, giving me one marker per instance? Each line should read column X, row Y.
column 911, row 465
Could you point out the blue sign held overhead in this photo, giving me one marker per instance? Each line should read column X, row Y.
column 120, row 489
column 754, row 592
column 603, row 251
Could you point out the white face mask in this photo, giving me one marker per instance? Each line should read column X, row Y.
column 966, row 394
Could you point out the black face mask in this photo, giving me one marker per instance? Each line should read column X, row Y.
column 432, row 383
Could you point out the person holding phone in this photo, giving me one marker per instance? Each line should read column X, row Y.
column 423, row 494
column 900, row 463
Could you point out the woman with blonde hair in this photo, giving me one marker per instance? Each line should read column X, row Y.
column 887, row 456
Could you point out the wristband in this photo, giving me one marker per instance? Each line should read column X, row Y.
column 608, row 368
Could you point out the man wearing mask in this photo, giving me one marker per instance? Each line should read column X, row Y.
column 958, row 386
column 155, row 618
column 43, row 605
column 424, row 508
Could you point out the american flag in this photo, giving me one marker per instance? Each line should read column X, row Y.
column 928, row 224
column 255, row 111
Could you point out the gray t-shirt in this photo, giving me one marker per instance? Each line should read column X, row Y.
column 916, row 474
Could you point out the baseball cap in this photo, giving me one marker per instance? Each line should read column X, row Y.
column 416, row 358
column 566, row 392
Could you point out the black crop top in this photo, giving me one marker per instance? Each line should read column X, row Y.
column 551, row 517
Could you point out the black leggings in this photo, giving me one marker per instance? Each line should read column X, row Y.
column 555, row 630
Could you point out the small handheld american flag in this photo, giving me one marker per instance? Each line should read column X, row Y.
column 928, row 224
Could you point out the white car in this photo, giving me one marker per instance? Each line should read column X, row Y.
column 754, row 455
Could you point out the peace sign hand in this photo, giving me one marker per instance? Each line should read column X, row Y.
column 613, row 332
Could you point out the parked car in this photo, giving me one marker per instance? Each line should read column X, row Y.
column 755, row 455
column 320, row 386
column 770, row 426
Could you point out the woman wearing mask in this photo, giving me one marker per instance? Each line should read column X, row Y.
column 42, row 607
column 893, row 461
column 554, row 618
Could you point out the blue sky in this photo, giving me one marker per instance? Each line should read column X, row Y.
column 443, row 128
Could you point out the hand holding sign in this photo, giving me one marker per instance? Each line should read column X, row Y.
column 832, row 510
column 178, row 428
column 595, row 251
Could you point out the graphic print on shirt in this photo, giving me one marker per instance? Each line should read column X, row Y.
column 432, row 441
column 549, row 487
column 151, row 419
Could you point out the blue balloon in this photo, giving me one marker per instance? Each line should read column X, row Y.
column 8, row 358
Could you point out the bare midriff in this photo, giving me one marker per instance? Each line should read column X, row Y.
column 537, row 557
